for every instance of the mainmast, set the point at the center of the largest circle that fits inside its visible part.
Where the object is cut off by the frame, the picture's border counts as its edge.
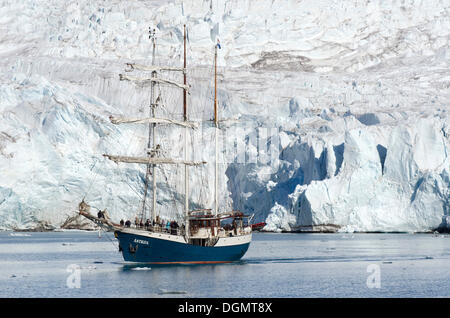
(216, 132)
(186, 171)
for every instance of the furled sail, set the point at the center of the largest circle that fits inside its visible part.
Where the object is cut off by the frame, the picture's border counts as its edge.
(116, 120)
(152, 68)
(152, 160)
(124, 77)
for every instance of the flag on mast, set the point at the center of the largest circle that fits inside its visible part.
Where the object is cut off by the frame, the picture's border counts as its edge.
(218, 44)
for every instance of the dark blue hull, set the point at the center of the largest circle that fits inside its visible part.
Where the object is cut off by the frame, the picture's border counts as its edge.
(145, 249)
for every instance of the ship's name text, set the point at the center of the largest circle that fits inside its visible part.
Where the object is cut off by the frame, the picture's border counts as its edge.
(140, 241)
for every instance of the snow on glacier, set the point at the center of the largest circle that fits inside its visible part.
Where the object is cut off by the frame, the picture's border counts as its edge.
(337, 112)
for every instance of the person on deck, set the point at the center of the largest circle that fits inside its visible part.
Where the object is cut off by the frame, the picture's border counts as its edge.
(168, 226)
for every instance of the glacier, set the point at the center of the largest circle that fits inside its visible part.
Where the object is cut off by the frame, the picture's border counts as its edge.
(336, 114)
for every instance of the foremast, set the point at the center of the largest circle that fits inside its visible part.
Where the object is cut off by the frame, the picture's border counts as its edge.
(151, 152)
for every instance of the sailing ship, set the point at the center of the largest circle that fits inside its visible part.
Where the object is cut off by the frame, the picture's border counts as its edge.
(206, 235)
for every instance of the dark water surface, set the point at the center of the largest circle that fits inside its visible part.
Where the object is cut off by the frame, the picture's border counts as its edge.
(80, 264)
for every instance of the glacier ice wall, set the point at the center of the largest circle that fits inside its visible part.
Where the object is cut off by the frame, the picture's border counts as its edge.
(407, 190)
(351, 98)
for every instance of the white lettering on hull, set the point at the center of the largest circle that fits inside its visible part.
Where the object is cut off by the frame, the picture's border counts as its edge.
(140, 241)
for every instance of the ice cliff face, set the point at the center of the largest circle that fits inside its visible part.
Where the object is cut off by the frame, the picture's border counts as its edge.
(338, 112)
(399, 186)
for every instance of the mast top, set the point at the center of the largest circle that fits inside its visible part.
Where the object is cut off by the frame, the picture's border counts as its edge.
(216, 116)
(152, 34)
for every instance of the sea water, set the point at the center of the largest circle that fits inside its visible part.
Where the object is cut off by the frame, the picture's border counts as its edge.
(84, 264)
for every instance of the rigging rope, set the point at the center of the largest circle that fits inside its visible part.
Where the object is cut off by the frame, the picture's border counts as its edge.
(109, 238)
(92, 181)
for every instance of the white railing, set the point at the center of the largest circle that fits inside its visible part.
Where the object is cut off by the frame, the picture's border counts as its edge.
(158, 229)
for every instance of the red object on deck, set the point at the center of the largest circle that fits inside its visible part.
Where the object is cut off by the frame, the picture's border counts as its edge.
(258, 226)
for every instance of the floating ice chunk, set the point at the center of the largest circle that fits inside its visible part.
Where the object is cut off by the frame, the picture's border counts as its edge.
(279, 219)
